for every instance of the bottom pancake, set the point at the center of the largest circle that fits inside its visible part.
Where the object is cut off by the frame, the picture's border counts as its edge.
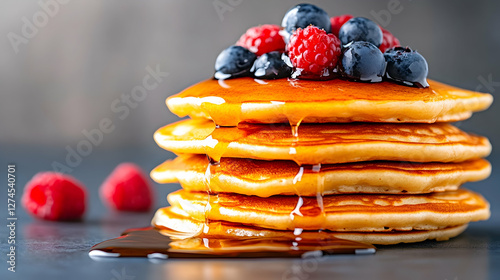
(176, 223)
(346, 212)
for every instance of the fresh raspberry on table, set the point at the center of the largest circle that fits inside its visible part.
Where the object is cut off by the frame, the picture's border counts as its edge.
(127, 189)
(389, 41)
(312, 51)
(54, 196)
(337, 22)
(262, 39)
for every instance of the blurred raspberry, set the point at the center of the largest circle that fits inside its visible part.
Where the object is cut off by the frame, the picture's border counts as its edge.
(337, 22)
(127, 189)
(54, 196)
(389, 41)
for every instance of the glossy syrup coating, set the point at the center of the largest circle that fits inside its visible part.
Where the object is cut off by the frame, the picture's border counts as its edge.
(294, 101)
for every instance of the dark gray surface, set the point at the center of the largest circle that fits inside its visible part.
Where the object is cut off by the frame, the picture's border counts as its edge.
(52, 250)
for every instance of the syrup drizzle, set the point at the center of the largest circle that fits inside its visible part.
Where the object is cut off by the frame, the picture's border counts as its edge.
(295, 130)
(212, 199)
(296, 213)
(214, 153)
(299, 213)
(320, 192)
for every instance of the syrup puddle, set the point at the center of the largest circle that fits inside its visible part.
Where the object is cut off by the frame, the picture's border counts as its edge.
(151, 243)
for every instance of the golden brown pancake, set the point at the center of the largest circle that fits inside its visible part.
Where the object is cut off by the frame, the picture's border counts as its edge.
(267, 178)
(233, 101)
(176, 223)
(324, 143)
(353, 212)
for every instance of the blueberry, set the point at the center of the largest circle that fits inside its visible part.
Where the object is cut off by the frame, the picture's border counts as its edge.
(362, 61)
(303, 15)
(406, 66)
(360, 29)
(233, 62)
(271, 66)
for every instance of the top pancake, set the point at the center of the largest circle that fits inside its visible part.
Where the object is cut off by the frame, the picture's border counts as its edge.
(233, 101)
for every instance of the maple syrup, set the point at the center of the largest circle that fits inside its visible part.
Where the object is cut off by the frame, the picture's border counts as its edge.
(233, 101)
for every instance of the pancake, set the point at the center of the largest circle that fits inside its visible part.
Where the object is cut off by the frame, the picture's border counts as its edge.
(233, 101)
(176, 223)
(353, 212)
(324, 143)
(267, 178)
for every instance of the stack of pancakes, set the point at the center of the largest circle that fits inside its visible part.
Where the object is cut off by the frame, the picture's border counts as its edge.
(375, 163)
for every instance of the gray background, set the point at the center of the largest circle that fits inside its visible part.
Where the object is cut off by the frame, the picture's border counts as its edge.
(64, 80)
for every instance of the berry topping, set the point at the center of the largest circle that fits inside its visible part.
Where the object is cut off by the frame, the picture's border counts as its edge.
(262, 39)
(271, 66)
(303, 15)
(233, 62)
(313, 52)
(360, 29)
(363, 61)
(310, 45)
(54, 196)
(389, 41)
(127, 189)
(337, 22)
(406, 66)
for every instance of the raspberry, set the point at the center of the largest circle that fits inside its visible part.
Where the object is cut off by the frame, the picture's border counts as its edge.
(262, 39)
(337, 22)
(54, 196)
(127, 189)
(312, 51)
(389, 41)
